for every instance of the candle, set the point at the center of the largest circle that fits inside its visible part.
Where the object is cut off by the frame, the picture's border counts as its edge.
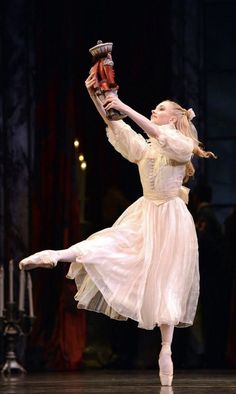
(1, 290)
(22, 291)
(82, 188)
(11, 292)
(30, 295)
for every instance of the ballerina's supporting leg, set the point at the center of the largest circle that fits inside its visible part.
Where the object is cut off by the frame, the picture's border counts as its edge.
(165, 361)
(49, 258)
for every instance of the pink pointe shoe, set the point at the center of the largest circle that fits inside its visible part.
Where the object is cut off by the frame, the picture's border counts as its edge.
(44, 259)
(165, 365)
(166, 390)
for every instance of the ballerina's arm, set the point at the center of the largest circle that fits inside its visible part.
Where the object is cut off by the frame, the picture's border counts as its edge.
(146, 125)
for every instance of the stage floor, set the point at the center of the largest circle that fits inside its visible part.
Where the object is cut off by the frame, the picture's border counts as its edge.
(118, 382)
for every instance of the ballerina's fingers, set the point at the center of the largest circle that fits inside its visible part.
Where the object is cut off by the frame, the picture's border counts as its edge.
(90, 81)
(90, 84)
(108, 106)
(109, 103)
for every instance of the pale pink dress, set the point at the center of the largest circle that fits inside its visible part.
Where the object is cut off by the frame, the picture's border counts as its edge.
(145, 267)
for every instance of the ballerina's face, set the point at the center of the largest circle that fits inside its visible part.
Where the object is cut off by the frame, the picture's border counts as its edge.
(162, 114)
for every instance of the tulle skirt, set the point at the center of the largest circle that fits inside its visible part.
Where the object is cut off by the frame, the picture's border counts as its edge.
(144, 267)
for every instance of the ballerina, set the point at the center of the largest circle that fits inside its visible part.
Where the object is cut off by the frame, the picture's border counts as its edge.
(145, 266)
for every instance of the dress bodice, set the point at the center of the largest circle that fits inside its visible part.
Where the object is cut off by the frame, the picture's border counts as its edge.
(161, 161)
(161, 177)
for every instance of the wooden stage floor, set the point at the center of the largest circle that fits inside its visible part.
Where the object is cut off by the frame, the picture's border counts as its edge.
(119, 382)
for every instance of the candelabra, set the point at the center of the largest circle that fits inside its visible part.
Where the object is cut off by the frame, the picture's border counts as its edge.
(14, 320)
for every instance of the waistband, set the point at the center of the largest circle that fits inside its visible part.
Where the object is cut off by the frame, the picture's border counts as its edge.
(159, 199)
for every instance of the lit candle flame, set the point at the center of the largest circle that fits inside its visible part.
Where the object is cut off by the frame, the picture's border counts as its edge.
(83, 165)
(76, 143)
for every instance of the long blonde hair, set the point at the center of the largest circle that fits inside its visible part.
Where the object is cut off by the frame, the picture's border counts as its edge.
(186, 127)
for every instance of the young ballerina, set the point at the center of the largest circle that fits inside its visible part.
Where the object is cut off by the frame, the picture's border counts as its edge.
(144, 267)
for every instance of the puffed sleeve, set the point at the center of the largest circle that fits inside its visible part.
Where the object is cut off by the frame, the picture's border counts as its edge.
(126, 141)
(175, 145)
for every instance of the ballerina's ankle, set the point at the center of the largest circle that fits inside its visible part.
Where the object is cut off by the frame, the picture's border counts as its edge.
(166, 347)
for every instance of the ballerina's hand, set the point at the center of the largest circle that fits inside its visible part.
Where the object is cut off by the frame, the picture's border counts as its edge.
(114, 102)
(90, 82)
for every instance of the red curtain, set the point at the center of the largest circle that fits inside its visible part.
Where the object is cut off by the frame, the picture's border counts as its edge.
(60, 328)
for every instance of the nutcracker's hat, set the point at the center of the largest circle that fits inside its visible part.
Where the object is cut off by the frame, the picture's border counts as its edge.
(101, 49)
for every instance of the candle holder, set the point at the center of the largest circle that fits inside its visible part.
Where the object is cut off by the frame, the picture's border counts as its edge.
(15, 323)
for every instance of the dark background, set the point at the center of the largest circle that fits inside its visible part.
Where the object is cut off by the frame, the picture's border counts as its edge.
(182, 50)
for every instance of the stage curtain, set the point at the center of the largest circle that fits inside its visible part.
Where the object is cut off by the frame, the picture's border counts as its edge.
(59, 332)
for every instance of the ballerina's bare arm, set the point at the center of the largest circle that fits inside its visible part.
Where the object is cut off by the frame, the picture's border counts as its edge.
(148, 127)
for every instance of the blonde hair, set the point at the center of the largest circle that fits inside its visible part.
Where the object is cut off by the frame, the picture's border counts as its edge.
(186, 127)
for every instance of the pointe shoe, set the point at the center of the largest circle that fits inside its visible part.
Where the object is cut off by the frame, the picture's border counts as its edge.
(44, 259)
(166, 366)
(166, 379)
(166, 390)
